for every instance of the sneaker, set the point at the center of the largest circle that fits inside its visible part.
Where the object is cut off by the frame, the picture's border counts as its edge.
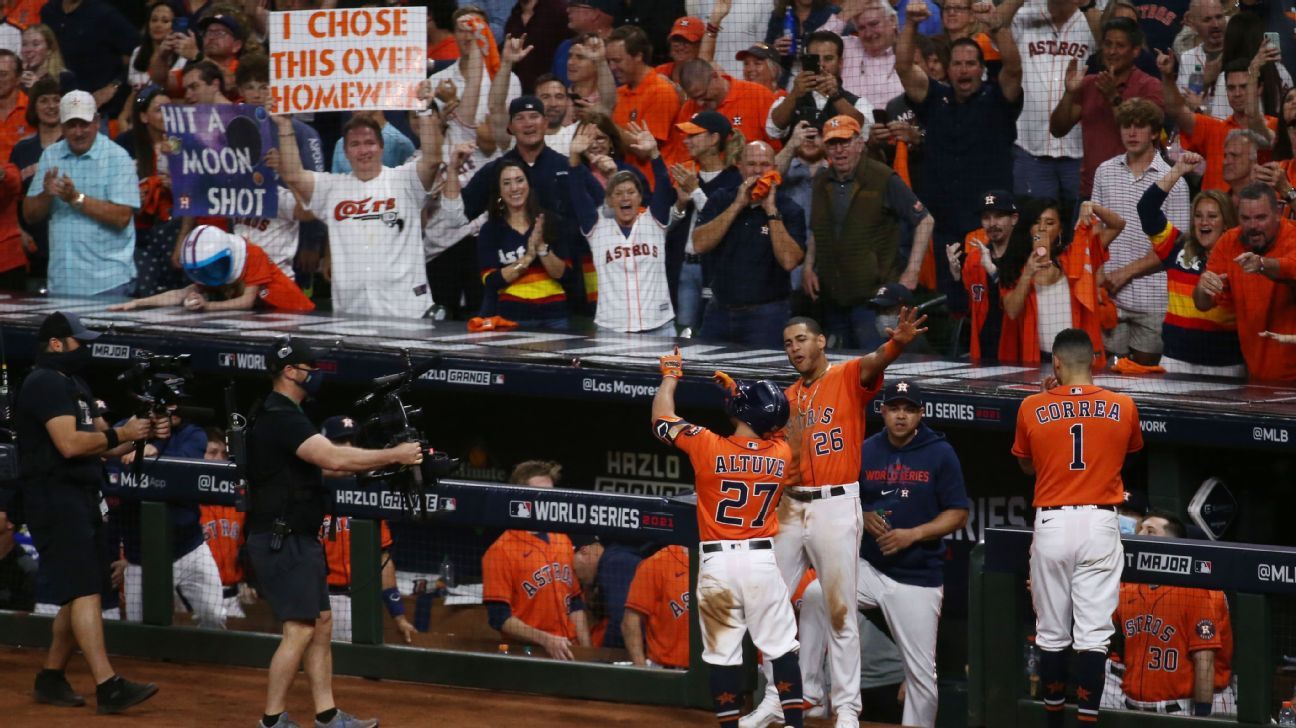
(118, 694)
(284, 722)
(52, 688)
(816, 711)
(766, 714)
(846, 720)
(344, 719)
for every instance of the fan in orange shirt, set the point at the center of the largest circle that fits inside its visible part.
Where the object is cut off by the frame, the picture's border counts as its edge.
(644, 96)
(656, 613)
(745, 104)
(227, 265)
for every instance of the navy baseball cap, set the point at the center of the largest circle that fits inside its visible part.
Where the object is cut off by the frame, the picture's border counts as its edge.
(892, 295)
(706, 121)
(61, 325)
(610, 7)
(340, 427)
(525, 103)
(231, 24)
(759, 50)
(998, 201)
(904, 390)
(1135, 501)
(288, 351)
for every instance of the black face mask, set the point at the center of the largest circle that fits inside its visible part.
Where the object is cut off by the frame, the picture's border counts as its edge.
(68, 362)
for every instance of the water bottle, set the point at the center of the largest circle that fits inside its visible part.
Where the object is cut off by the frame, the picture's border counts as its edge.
(447, 573)
(1287, 716)
(789, 31)
(1032, 666)
(1197, 80)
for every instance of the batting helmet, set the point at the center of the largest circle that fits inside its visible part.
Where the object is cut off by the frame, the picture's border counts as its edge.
(213, 257)
(760, 404)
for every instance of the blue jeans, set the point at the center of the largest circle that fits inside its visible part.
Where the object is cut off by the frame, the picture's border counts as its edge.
(688, 313)
(759, 325)
(856, 326)
(1038, 177)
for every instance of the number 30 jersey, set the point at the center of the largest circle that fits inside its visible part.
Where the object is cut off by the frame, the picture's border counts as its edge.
(737, 479)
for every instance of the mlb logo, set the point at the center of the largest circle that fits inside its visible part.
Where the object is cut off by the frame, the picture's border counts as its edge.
(520, 509)
(226, 359)
(1202, 567)
(499, 379)
(448, 504)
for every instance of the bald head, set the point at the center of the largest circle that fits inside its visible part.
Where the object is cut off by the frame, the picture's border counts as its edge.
(1207, 19)
(757, 159)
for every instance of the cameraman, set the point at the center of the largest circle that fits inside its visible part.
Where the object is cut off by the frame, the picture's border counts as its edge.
(62, 436)
(285, 457)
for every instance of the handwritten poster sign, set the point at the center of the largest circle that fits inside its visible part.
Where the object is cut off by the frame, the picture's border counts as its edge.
(333, 60)
(217, 160)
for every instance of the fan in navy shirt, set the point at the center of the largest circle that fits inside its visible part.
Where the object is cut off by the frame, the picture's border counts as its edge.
(911, 489)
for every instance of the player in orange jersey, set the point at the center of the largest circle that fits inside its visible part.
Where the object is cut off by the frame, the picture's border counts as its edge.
(740, 589)
(656, 611)
(1178, 642)
(1073, 438)
(825, 432)
(223, 530)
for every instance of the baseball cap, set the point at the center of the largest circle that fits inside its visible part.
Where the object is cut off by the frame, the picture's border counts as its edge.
(998, 201)
(904, 390)
(339, 427)
(525, 103)
(288, 351)
(1136, 501)
(77, 105)
(608, 7)
(840, 127)
(61, 325)
(892, 295)
(581, 540)
(758, 50)
(231, 24)
(706, 121)
(689, 28)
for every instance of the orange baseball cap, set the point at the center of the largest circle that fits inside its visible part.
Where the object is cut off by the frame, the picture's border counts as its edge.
(840, 127)
(689, 28)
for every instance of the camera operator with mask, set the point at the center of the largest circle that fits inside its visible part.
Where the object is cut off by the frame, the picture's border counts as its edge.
(62, 436)
(285, 456)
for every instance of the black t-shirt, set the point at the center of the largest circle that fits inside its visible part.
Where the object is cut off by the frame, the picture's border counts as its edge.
(46, 394)
(281, 483)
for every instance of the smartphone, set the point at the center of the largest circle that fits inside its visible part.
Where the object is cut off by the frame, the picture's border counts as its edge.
(1273, 39)
(180, 25)
(880, 116)
(810, 63)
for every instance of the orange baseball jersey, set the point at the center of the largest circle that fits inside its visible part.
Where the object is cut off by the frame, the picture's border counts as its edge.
(830, 421)
(1163, 626)
(737, 479)
(534, 578)
(1077, 436)
(660, 592)
(223, 531)
(337, 550)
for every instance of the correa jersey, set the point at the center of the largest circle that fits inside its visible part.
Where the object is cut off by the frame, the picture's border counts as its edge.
(660, 592)
(1163, 626)
(376, 241)
(337, 548)
(1046, 51)
(827, 425)
(737, 479)
(1077, 437)
(533, 576)
(223, 531)
(633, 294)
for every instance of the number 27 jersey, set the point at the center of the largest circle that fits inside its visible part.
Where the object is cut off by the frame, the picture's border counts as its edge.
(737, 479)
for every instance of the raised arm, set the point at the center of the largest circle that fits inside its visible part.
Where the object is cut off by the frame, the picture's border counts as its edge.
(513, 50)
(1066, 114)
(1255, 115)
(663, 194)
(585, 206)
(472, 66)
(1113, 224)
(719, 11)
(672, 368)
(1176, 108)
(606, 82)
(908, 327)
(430, 142)
(294, 176)
(1010, 72)
(1007, 10)
(913, 78)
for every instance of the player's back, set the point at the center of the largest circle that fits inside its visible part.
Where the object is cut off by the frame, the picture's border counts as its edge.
(737, 482)
(1077, 436)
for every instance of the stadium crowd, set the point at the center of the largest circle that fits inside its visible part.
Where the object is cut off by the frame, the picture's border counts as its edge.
(1038, 165)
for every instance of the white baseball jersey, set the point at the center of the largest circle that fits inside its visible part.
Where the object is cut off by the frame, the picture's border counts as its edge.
(197, 588)
(633, 295)
(376, 241)
(276, 235)
(744, 26)
(1046, 51)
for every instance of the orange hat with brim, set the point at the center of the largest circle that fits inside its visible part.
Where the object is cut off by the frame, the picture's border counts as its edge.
(840, 127)
(689, 28)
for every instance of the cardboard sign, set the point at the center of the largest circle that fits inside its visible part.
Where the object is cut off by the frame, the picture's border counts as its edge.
(333, 60)
(217, 160)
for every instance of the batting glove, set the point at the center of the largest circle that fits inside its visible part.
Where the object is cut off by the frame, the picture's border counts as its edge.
(672, 365)
(725, 381)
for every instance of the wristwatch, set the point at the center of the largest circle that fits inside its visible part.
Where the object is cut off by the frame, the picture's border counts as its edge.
(79, 201)
(776, 216)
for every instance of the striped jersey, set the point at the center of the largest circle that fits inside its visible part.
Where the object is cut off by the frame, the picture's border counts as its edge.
(1209, 337)
(633, 294)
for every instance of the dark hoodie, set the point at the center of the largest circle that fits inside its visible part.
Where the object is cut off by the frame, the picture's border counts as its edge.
(913, 484)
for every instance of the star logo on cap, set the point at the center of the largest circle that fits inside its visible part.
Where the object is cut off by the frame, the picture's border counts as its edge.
(902, 387)
(684, 22)
(737, 121)
(834, 122)
(284, 352)
(881, 292)
(348, 423)
(990, 199)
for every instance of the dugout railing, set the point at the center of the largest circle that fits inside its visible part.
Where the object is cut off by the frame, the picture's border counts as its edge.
(656, 519)
(1000, 619)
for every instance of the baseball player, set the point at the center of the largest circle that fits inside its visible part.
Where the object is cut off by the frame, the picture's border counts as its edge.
(223, 530)
(1073, 438)
(1178, 642)
(825, 433)
(911, 488)
(739, 589)
(656, 610)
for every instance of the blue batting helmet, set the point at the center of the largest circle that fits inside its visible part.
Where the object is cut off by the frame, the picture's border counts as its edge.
(760, 404)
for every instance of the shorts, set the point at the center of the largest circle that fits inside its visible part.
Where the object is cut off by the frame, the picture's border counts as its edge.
(293, 580)
(1136, 330)
(67, 529)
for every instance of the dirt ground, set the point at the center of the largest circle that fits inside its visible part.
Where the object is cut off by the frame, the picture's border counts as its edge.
(196, 694)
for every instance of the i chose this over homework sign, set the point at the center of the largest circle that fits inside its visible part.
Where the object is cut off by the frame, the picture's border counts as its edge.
(331, 60)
